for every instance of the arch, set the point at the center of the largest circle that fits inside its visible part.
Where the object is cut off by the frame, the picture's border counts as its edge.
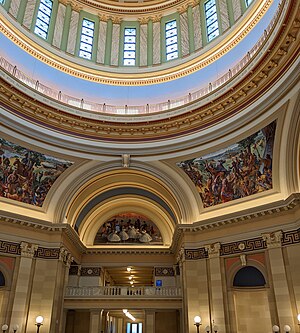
(249, 276)
(2, 279)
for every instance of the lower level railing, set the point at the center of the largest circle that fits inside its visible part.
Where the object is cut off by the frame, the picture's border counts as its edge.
(115, 291)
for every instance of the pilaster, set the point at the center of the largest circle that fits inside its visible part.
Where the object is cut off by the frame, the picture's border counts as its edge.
(217, 310)
(279, 279)
(23, 285)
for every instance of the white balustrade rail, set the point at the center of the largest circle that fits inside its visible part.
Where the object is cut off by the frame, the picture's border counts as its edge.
(122, 292)
(148, 108)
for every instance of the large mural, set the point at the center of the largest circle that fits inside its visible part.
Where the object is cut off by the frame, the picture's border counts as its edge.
(240, 170)
(129, 228)
(27, 175)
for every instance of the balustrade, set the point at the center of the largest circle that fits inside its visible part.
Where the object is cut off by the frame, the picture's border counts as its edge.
(120, 292)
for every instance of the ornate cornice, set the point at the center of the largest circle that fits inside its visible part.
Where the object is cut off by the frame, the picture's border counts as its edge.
(104, 75)
(133, 7)
(289, 204)
(266, 241)
(281, 54)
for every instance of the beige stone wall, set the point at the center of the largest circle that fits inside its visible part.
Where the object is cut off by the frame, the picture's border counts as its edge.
(78, 322)
(252, 311)
(293, 257)
(42, 295)
(166, 321)
(196, 293)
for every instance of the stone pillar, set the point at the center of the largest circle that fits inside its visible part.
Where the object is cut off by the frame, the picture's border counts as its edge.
(279, 280)
(150, 321)
(62, 276)
(95, 316)
(23, 286)
(194, 290)
(217, 311)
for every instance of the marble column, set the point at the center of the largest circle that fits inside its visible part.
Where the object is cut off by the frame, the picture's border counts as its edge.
(217, 310)
(279, 280)
(23, 286)
(150, 321)
(95, 317)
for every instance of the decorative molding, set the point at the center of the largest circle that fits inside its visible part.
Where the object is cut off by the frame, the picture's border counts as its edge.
(28, 250)
(10, 248)
(213, 250)
(243, 259)
(238, 247)
(126, 160)
(283, 206)
(90, 271)
(135, 7)
(141, 78)
(273, 239)
(223, 106)
(291, 237)
(196, 254)
(164, 271)
(268, 240)
(47, 253)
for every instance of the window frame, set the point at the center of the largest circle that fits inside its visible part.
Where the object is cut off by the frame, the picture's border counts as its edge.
(85, 34)
(39, 17)
(214, 13)
(168, 39)
(125, 44)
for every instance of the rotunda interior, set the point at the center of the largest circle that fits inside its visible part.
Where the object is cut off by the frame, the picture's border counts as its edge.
(149, 166)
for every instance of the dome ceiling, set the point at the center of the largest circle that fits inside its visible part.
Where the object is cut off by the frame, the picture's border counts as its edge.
(103, 63)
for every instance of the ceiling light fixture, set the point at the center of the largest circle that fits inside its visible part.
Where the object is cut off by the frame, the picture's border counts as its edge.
(128, 314)
(128, 269)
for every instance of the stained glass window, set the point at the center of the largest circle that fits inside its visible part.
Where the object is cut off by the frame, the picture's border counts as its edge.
(211, 19)
(171, 40)
(2, 2)
(86, 39)
(43, 18)
(129, 53)
(248, 2)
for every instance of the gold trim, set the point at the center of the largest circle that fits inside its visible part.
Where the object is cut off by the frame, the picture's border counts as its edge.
(141, 78)
(263, 75)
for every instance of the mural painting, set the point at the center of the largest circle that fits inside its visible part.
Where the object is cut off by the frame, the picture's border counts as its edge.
(129, 228)
(27, 175)
(240, 170)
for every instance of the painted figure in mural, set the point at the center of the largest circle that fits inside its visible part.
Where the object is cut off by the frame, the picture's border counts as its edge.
(25, 175)
(129, 228)
(238, 171)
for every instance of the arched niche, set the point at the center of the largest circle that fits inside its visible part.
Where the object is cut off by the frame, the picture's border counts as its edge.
(141, 184)
(128, 228)
(118, 205)
(249, 276)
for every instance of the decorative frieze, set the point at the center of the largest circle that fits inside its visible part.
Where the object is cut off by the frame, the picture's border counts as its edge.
(243, 246)
(47, 253)
(291, 237)
(10, 248)
(196, 254)
(268, 240)
(164, 271)
(90, 271)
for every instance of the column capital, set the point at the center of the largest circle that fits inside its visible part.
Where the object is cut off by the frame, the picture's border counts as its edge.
(213, 250)
(28, 249)
(180, 255)
(65, 256)
(273, 239)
